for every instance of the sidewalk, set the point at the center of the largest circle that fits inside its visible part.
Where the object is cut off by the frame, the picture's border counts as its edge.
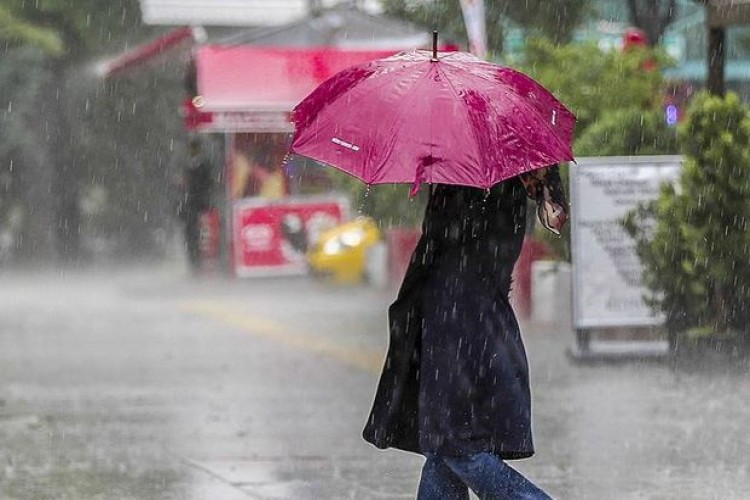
(155, 386)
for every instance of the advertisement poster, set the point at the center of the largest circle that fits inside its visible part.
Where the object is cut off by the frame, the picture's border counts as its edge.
(607, 288)
(271, 237)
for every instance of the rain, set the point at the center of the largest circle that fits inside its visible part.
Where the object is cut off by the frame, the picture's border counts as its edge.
(244, 245)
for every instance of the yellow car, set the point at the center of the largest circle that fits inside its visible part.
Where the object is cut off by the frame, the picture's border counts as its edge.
(341, 252)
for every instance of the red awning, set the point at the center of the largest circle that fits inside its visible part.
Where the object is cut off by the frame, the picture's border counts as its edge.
(255, 88)
(149, 52)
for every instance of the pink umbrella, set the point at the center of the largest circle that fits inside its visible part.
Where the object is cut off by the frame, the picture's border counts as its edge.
(446, 118)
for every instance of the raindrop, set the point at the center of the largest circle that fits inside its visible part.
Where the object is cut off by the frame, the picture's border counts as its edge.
(365, 198)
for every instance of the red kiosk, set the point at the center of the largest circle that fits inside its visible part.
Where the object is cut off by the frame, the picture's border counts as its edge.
(247, 93)
(245, 88)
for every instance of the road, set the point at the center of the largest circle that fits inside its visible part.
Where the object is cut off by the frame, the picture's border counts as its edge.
(146, 384)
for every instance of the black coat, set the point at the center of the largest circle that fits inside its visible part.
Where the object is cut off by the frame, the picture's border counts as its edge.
(455, 379)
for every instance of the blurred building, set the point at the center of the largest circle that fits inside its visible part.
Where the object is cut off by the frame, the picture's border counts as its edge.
(247, 63)
(685, 41)
(237, 12)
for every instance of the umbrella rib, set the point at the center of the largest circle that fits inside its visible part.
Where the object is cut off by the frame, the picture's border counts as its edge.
(385, 83)
(398, 122)
(515, 97)
(546, 124)
(494, 81)
(403, 109)
(465, 111)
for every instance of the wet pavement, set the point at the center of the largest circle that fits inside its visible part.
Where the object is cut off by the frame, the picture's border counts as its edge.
(150, 385)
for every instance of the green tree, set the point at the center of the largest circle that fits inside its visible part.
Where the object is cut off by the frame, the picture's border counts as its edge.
(26, 211)
(618, 103)
(446, 17)
(75, 31)
(628, 132)
(694, 239)
(17, 32)
(653, 17)
(133, 149)
(555, 19)
(591, 82)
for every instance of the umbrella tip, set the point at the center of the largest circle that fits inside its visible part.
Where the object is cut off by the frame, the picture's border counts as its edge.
(434, 45)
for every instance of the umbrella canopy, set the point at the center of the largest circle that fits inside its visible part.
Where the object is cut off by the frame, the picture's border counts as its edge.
(447, 118)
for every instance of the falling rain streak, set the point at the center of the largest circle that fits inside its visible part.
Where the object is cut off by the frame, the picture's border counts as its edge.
(129, 371)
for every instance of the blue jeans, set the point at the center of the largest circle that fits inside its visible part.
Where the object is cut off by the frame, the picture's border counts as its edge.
(449, 478)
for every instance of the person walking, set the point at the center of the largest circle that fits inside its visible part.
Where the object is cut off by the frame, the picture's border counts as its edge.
(198, 184)
(455, 384)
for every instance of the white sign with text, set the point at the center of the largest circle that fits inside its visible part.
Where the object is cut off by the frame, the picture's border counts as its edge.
(607, 288)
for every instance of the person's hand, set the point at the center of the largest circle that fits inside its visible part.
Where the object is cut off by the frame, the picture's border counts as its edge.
(552, 216)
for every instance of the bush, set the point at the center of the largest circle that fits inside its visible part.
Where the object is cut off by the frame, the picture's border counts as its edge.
(617, 101)
(694, 240)
(593, 83)
(628, 132)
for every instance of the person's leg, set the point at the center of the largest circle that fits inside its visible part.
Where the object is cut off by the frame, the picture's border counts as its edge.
(439, 483)
(492, 479)
(193, 241)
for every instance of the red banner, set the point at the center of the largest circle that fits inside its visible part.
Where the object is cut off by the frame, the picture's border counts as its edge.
(271, 237)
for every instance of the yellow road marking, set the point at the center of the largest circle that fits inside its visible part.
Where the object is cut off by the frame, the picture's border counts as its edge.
(267, 328)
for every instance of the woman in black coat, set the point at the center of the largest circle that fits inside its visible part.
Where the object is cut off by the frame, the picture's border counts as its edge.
(455, 384)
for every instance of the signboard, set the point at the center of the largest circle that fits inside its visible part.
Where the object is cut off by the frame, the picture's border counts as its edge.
(236, 121)
(607, 289)
(271, 237)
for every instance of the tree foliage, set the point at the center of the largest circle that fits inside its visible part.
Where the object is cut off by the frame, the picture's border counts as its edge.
(555, 19)
(26, 211)
(616, 100)
(653, 17)
(133, 141)
(86, 162)
(694, 240)
(628, 132)
(16, 32)
(591, 82)
(74, 28)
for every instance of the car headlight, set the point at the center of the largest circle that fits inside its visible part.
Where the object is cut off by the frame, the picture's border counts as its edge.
(332, 246)
(340, 243)
(352, 238)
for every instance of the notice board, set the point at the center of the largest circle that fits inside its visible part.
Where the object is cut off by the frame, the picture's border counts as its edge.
(271, 236)
(607, 285)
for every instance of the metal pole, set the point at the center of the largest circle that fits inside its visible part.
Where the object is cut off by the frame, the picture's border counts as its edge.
(716, 60)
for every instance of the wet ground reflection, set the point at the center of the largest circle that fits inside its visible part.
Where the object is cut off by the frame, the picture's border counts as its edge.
(122, 388)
